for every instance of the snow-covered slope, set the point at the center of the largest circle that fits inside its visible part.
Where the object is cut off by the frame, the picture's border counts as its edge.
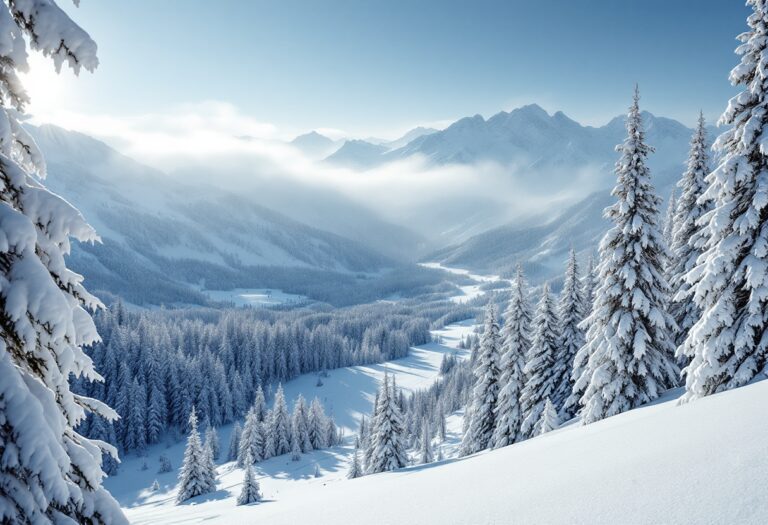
(347, 393)
(700, 463)
(541, 248)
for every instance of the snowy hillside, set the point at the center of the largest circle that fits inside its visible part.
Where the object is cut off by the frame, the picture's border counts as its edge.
(542, 249)
(701, 462)
(347, 394)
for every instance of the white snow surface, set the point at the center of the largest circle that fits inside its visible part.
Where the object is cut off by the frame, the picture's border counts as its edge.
(347, 394)
(703, 462)
(254, 297)
(470, 291)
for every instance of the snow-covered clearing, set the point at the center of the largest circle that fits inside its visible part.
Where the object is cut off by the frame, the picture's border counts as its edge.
(470, 291)
(254, 297)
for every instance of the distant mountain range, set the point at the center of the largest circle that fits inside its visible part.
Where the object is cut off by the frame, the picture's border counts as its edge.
(164, 239)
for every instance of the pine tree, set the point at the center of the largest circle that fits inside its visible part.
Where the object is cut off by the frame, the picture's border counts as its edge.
(251, 440)
(250, 492)
(165, 464)
(426, 444)
(317, 425)
(387, 447)
(540, 365)
(300, 425)
(234, 442)
(295, 450)
(481, 414)
(196, 476)
(48, 471)
(515, 346)
(278, 438)
(549, 419)
(260, 405)
(629, 340)
(689, 239)
(212, 441)
(727, 345)
(570, 339)
(669, 220)
(354, 468)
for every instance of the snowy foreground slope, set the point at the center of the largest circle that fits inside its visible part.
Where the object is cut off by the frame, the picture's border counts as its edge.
(704, 462)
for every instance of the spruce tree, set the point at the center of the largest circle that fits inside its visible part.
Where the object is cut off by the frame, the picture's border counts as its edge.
(317, 425)
(354, 468)
(212, 442)
(540, 366)
(234, 442)
(387, 447)
(727, 345)
(481, 415)
(570, 338)
(425, 453)
(669, 220)
(629, 336)
(549, 419)
(251, 443)
(688, 241)
(196, 476)
(300, 425)
(49, 472)
(515, 344)
(250, 492)
(278, 438)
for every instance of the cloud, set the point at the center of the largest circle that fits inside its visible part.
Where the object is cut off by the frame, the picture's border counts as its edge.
(214, 143)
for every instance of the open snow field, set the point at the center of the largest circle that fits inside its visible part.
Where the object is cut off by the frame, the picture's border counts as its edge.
(254, 297)
(470, 291)
(347, 393)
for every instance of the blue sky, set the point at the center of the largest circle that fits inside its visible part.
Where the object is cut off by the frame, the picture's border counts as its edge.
(377, 68)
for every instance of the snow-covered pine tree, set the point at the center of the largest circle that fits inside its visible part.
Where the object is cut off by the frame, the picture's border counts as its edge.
(387, 445)
(540, 366)
(295, 450)
(278, 438)
(165, 464)
(48, 471)
(629, 336)
(689, 239)
(570, 311)
(669, 220)
(515, 344)
(317, 427)
(260, 406)
(727, 345)
(354, 468)
(549, 419)
(300, 425)
(250, 492)
(425, 452)
(481, 412)
(212, 442)
(234, 442)
(196, 476)
(251, 440)
(589, 285)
